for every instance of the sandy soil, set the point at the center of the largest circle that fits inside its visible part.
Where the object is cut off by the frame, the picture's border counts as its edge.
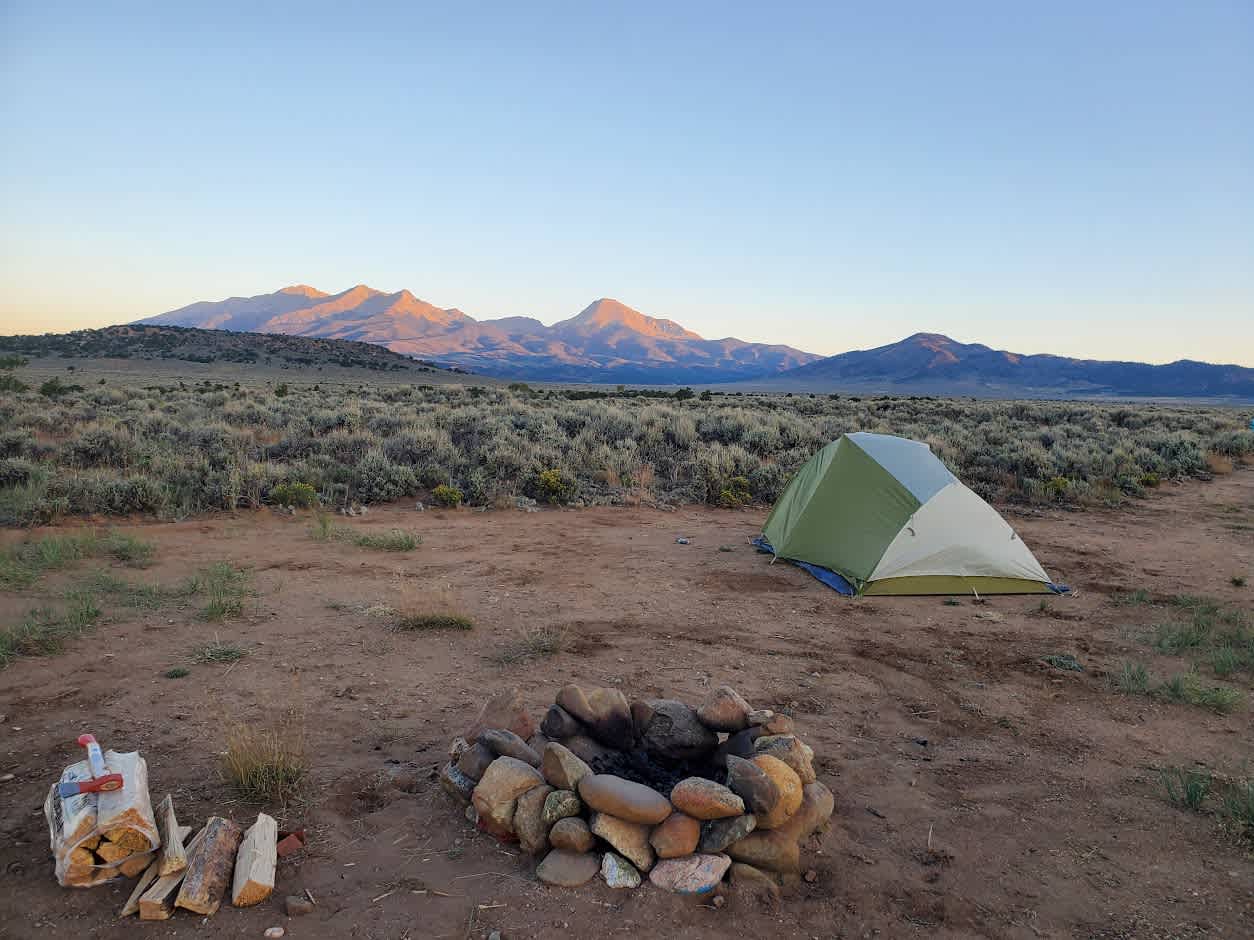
(1037, 788)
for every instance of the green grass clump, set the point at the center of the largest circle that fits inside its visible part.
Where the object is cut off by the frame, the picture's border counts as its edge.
(1186, 788)
(1135, 598)
(1238, 580)
(178, 672)
(1131, 679)
(44, 631)
(224, 588)
(394, 540)
(218, 652)
(1238, 808)
(23, 564)
(1188, 690)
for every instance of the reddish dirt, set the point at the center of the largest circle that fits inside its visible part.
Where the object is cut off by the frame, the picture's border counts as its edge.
(1037, 788)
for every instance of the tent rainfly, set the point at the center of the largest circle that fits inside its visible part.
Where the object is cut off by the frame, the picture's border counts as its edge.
(876, 514)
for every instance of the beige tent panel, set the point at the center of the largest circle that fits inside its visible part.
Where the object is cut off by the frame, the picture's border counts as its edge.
(957, 533)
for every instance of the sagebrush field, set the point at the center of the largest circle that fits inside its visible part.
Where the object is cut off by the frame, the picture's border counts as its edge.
(179, 449)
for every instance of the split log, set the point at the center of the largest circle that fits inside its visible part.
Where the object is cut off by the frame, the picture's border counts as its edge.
(132, 866)
(131, 840)
(209, 867)
(156, 902)
(112, 852)
(151, 873)
(82, 858)
(254, 865)
(173, 854)
(148, 877)
(90, 843)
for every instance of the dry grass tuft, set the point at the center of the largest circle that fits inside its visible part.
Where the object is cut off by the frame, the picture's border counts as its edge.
(533, 643)
(1219, 464)
(433, 607)
(267, 764)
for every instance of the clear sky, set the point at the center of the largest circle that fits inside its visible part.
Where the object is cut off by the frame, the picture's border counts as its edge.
(1049, 177)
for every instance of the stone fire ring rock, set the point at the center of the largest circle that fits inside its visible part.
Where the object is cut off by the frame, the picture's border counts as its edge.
(727, 788)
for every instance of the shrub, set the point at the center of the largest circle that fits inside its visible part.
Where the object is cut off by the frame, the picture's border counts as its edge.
(300, 495)
(735, 494)
(55, 388)
(445, 495)
(378, 480)
(281, 390)
(555, 486)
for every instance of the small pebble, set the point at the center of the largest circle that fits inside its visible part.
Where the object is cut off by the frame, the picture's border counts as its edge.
(811, 876)
(295, 905)
(5, 778)
(494, 935)
(719, 900)
(273, 933)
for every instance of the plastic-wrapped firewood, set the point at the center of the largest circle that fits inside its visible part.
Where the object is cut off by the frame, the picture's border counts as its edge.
(92, 834)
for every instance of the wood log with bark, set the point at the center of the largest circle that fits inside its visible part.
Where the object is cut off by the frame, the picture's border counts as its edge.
(209, 867)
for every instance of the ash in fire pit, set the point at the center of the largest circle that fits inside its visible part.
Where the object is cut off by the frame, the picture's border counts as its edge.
(688, 796)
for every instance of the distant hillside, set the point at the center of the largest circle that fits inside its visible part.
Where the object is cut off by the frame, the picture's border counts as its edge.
(935, 364)
(195, 345)
(606, 342)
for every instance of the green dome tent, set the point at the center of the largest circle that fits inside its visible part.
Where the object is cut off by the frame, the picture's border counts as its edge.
(885, 516)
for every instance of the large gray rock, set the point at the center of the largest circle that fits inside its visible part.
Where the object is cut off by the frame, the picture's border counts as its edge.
(624, 799)
(604, 712)
(752, 784)
(475, 759)
(561, 767)
(529, 825)
(718, 834)
(559, 724)
(672, 729)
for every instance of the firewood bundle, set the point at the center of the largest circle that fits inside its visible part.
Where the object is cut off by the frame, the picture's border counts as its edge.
(100, 836)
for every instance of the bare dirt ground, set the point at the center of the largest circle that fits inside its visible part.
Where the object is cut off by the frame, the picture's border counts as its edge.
(1038, 788)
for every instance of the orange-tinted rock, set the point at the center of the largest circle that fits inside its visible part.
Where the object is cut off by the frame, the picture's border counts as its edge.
(561, 767)
(817, 803)
(705, 799)
(769, 850)
(724, 710)
(496, 794)
(791, 751)
(629, 839)
(503, 710)
(677, 836)
(789, 786)
(572, 834)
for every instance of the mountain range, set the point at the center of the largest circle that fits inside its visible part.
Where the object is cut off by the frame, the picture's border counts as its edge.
(606, 342)
(930, 363)
(609, 342)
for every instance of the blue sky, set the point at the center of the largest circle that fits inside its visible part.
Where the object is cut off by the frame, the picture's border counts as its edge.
(1074, 178)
